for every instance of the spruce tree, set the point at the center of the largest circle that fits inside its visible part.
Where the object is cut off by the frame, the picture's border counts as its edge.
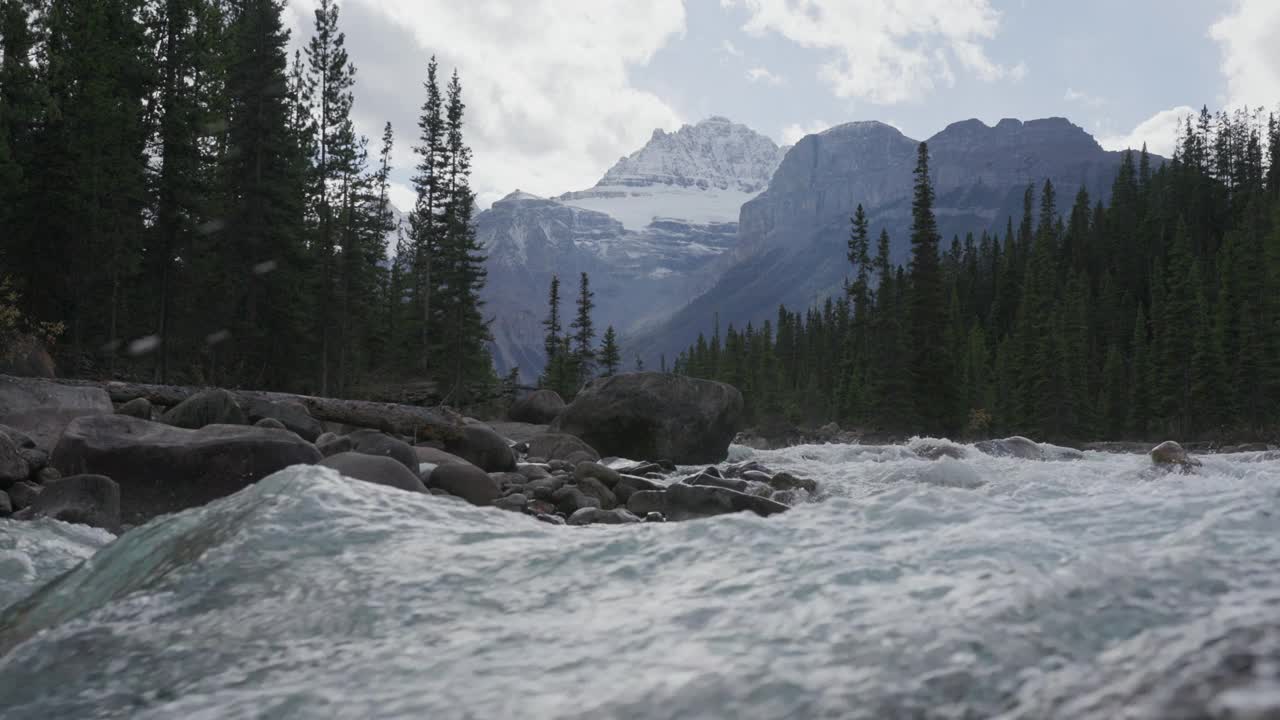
(583, 331)
(425, 222)
(610, 356)
(932, 385)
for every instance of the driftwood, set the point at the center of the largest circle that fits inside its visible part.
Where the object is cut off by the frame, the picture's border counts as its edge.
(417, 422)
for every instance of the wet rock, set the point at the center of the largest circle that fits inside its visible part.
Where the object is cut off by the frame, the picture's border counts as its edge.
(138, 407)
(630, 484)
(92, 500)
(379, 470)
(713, 481)
(560, 466)
(163, 469)
(484, 448)
(12, 465)
(559, 446)
(787, 481)
(756, 476)
(23, 494)
(270, 424)
(540, 507)
(654, 517)
(1171, 455)
(36, 458)
(467, 482)
(512, 503)
(41, 410)
(47, 475)
(587, 469)
(539, 407)
(598, 490)
(434, 456)
(211, 407)
(373, 442)
(1116, 447)
(692, 501)
(641, 469)
(593, 516)
(937, 450)
(294, 416)
(330, 444)
(6, 505)
(570, 498)
(763, 489)
(786, 497)
(655, 415)
(1025, 449)
(740, 470)
(643, 502)
(1244, 448)
(532, 471)
(544, 488)
(506, 481)
(550, 519)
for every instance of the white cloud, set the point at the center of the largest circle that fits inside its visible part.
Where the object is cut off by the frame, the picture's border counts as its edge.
(887, 51)
(1250, 52)
(792, 133)
(730, 48)
(760, 74)
(1083, 98)
(1159, 132)
(549, 102)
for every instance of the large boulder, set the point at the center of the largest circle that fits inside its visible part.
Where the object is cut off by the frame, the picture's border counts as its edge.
(655, 415)
(163, 469)
(138, 407)
(596, 516)
(539, 407)
(293, 415)
(41, 409)
(1171, 455)
(374, 469)
(372, 442)
(13, 467)
(435, 456)
(211, 407)
(465, 481)
(694, 501)
(559, 446)
(484, 448)
(1026, 449)
(27, 357)
(517, 432)
(91, 500)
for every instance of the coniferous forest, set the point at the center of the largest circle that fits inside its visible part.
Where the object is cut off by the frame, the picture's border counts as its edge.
(1156, 315)
(183, 201)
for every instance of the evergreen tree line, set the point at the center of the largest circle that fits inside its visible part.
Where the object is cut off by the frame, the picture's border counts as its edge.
(195, 206)
(572, 358)
(1155, 316)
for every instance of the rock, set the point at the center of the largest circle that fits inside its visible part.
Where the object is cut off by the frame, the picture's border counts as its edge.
(786, 497)
(513, 503)
(13, 467)
(550, 519)
(643, 502)
(562, 447)
(517, 432)
(596, 489)
(655, 415)
(560, 466)
(41, 410)
(713, 471)
(427, 454)
(692, 501)
(1244, 448)
(540, 507)
(27, 358)
(544, 488)
(211, 407)
(756, 476)
(712, 481)
(329, 444)
(506, 481)
(641, 469)
(138, 407)
(570, 498)
(740, 470)
(23, 494)
(92, 500)
(36, 458)
(47, 475)
(763, 489)
(484, 448)
(1171, 455)
(373, 442)
(654, 517)
(787, 481)
(376, 469)
(20, 440)
(465, 481)
(587, 469)
(1022, 448)
(630, 484)
(532, 471)
(539, 407)
(6, 506)
(937, 450)
(163, 469)
(1115, 447)
(294, 416)
(593, 516)
(270, 424)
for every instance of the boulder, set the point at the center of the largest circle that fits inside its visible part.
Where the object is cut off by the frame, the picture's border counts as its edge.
(655, 415)
(692, 501)
(292, 415)
(433, 456)
(517, 432)
(539, 407)
(138, 407)
(562, 447)
(570, 498)
(211, 407)
(484, 448)
(1025, 449)
(596, 489)
(741, 469)
(13, 467)
(588, 469)
(654, 517)
(643, 502)
(1171, 455)
(376, 469)
(270, 424)
(628, 485)
(465, 481)
(515, 502)
(787, 481)
(533, 471)
(36, 458)
(755, 476)
(329, 444)
(594, 516)
(550, 519)
(48, 475)
(92, 500)
(643, 468)
(544, 488)
(41, 410)
(6, 506)
(27, 357)
(24, 493)
(373, 442)
(709, 480)
(163, 469)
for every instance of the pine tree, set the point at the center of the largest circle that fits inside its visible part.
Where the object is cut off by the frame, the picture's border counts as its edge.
(931, 381)
(583, 331)
(610, 357)
(425, 222)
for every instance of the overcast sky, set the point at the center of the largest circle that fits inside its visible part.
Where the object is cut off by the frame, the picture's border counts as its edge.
(558, 90)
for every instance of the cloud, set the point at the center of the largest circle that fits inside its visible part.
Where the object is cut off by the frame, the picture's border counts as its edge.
(1084, 98)
(548, 110)
(887, 51)
(729, 48)
(1250, 53)
(1159, 132)
(760, 74)
(792, 133)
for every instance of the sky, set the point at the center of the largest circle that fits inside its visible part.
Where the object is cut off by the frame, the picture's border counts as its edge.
(558, 90)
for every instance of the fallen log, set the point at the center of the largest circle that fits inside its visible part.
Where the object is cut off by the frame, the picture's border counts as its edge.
(421, 423)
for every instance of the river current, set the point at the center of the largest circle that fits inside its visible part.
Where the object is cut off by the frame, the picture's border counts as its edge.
(978, 587)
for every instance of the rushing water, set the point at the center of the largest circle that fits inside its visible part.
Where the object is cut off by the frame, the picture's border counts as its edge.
(959, 588)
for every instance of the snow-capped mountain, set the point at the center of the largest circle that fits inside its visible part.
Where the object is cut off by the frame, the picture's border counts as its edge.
(648, 234)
